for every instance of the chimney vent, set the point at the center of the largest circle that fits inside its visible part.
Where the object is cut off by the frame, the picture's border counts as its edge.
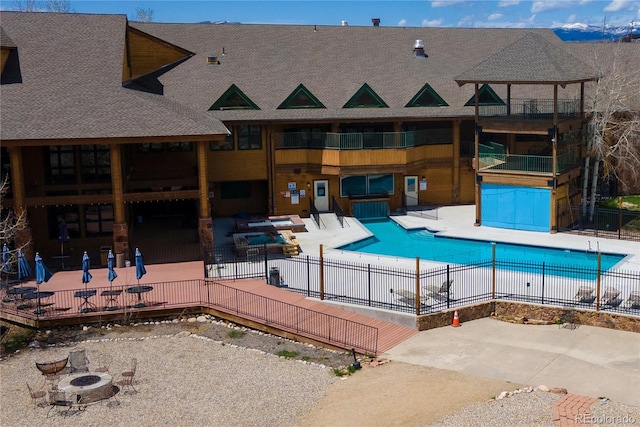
(376, 22)
(418, 49)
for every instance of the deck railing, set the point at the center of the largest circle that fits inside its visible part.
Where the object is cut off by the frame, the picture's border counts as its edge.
(493, 159)
(362, 140)
(531, 109)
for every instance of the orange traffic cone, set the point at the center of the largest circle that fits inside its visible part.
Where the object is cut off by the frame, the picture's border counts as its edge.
(456, 319)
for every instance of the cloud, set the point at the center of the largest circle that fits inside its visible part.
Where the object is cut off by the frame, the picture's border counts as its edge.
(506, 3)
(445, 3)
(546, 5)
(571, 18)
(432, 23)
(494, 16)
(617, 5)
(402, 23)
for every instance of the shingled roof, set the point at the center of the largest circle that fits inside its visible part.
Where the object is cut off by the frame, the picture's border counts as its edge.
(5, 40)
(71, 66)
(529, 60)
(268, 62)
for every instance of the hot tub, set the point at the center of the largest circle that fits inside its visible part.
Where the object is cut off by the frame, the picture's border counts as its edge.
(248, 244)
(272, 223)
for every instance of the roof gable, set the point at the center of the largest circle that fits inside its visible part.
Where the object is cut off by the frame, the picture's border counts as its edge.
(365, 97)
(427, 97)
(486, 96)
(301, 98)
(234, 99)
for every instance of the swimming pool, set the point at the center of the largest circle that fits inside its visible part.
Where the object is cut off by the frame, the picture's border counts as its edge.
(391, 239)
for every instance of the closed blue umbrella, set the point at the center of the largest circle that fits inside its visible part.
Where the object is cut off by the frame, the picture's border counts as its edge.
(86, 276)
(6, 257)
(140, 270)
(110, 265)
(24, 270)
(42, 275)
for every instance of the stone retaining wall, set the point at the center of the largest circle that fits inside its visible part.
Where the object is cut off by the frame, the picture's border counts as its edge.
(532, 314)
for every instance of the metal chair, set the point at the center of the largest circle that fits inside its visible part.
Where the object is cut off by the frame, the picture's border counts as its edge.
(126, 382)
(104, 361)
(110, 396)
(59, 400)
(131, 372)
(36, 395)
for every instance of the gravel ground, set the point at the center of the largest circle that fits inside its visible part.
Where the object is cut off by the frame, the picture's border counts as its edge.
(218, 374)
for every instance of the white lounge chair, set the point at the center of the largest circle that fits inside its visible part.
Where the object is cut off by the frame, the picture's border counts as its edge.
(439, 291)
(585, 295)
(611, 297)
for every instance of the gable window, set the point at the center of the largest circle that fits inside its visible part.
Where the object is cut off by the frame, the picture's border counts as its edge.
(61, 165)
(486, 96)
(367, 185)
(301, 98)
(249, 137)
(427, 97)
(234, 99)
(365, 97)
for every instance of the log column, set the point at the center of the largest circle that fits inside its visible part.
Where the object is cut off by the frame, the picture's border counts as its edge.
(120, 227)
(205, 223)
(456, 162)
(23, 237)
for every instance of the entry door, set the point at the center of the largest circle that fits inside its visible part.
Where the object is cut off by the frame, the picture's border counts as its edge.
(321, 195)
(411, 190)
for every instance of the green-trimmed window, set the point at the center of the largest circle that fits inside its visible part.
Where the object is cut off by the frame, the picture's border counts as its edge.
(249, 137)
(234, 99)
(365, 97)
(61, 165)
(366, 185)
(486, 96)
(96, 163)
(301, 98)
(427, 97)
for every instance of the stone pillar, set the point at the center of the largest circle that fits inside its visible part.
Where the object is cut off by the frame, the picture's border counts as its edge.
(121, 240)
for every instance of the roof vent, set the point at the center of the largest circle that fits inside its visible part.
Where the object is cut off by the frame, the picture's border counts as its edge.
(418, 49)
(344, 23)
(212, 60)
(375, 22)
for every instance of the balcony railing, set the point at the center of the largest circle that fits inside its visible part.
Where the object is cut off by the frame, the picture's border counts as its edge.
(531, 109)
(494, 158)
(362, 140)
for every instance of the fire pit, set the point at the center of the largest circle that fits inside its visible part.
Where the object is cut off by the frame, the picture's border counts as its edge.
(90, 387)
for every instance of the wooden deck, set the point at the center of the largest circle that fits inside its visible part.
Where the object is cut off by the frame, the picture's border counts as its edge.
(186, 294)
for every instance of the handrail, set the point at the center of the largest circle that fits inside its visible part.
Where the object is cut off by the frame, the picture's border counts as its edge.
(337, 209)
(313, 211)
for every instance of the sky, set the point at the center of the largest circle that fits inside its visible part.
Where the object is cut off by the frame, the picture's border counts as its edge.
(409, 13)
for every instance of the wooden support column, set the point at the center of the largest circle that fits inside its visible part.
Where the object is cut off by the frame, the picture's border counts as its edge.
(476, 160)
(455, 196)
(205, 223)
(24, 236)
(554, 166)
(120, 227)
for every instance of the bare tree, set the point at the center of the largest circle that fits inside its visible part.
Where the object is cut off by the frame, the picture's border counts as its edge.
(62, 6)
(144, 15)
(613, 135)
(10, 225)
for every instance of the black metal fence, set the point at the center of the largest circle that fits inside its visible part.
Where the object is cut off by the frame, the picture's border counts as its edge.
(419, 291)
(605, 222)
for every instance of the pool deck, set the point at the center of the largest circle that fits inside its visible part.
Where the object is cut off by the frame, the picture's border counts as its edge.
(453, 221)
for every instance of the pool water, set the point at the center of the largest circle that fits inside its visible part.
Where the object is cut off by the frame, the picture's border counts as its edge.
(391, 239)
(268, 239)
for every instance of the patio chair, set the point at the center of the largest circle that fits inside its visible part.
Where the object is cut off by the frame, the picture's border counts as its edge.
(585, 295)
(408, 298)
(110, 396)
(132, 371)
(104, 360)
(78, 361)
(439, 291)
(634, 300)
(126, 382)
(36, 395)
(611, 297)
(65, 404)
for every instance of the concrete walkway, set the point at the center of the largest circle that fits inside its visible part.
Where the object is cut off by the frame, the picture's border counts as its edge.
(590, 361)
